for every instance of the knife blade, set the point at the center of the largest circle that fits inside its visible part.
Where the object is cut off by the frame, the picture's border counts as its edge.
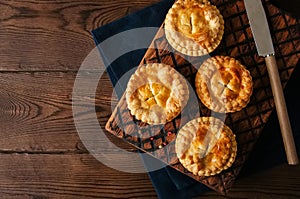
(259, 26)
(263, 41)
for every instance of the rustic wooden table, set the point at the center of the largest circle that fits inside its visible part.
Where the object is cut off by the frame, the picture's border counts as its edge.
(43, 44)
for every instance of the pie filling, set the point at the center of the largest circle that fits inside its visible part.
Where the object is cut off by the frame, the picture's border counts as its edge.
(205, 146)
(156, 99)
(223, 84)
(193, 23)
(208, 151)
(226, 83)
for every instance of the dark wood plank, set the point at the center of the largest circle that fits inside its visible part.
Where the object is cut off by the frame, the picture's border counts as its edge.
(40, 151)
(67, 176)
(54, 35)
(282, 181)
(81, 176)
(36, 111)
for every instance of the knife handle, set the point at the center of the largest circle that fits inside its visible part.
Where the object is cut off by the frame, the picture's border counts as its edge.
(284, 122)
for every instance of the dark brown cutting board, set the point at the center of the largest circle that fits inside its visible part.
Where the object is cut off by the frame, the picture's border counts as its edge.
(248, 123)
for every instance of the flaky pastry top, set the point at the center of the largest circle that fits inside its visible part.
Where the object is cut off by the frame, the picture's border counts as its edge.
(223, 84)
(156, 93)
(194, 27)
(205, 146)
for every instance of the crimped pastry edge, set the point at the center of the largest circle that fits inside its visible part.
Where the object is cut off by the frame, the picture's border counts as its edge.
(187, 133)
(187, 45)
(178, 86)
(202, 89)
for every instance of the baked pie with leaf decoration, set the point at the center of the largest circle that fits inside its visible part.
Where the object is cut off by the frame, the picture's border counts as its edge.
(223, 84)
(205, 146)
(156, 93)
(194, 27)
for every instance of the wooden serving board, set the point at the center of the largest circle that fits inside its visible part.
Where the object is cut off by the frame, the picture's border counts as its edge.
(247, 124)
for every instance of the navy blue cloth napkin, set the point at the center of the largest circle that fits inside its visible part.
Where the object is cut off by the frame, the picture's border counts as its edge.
(168, 182)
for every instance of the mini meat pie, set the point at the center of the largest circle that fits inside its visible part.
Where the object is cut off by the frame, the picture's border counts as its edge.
(194, 27)
(223, 84)
(205, 146)
(156, 93)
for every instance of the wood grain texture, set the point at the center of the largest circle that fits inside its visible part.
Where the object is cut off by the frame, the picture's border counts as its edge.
(37, 116)
(43, 44)
(54, 35)
(81, 176)
(67, 176)
(265, 184)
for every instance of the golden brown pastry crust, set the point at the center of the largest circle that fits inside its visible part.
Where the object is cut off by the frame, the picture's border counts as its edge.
(194, 27)
(223, 84)
(205, 146)
(156, 93)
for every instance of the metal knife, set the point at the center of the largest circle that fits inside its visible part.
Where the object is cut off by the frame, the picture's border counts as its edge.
(263, 41)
